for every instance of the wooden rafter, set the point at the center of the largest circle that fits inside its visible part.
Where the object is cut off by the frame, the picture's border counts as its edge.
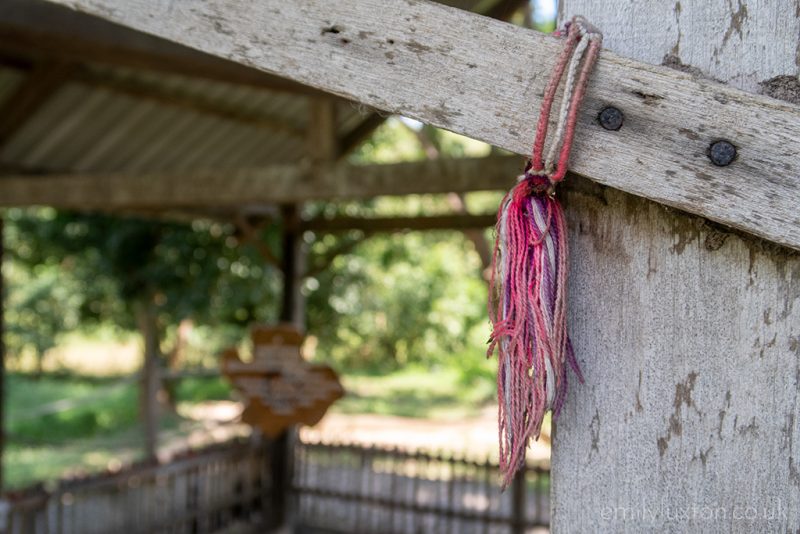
(354, 137)
(370, 225)
(277, 184)
(483, 79)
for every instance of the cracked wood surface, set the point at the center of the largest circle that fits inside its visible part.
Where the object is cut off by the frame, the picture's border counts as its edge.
(688, 335)
(484, 79)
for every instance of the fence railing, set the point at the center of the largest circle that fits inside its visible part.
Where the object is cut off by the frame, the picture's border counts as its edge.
(350, 488)
(201, 491)
(336, 488)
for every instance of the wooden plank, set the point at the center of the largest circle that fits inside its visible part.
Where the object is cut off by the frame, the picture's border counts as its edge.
(496, 9)
(360, 132)
(483, 78)
(688, 335)
(398, 224)
(321, 140)
(278, 184)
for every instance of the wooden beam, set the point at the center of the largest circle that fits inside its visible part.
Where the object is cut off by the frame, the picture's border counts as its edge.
(496, 9)
(321, 137)
(371, 225)
(278, 184)
(31, 94)
(484, 79)
(357, 135)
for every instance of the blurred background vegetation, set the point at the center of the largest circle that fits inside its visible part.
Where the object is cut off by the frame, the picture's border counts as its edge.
(401, 316)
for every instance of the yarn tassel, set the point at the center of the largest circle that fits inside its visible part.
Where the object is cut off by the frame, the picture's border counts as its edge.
(528, 286)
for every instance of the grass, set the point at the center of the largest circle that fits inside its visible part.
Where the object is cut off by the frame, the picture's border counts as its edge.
(417, 392)
(63, 424)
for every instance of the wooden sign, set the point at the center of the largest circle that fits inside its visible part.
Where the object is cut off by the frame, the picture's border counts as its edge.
(280, 388)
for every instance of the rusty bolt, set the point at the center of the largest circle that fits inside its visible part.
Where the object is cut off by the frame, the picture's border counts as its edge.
(610, 118)
(721, 153)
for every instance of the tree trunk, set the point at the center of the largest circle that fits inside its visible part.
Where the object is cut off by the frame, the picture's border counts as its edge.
(2, 359)
(150, 382)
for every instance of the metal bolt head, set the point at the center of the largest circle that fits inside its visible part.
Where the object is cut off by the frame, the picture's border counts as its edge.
(721, 153)
(610, 118)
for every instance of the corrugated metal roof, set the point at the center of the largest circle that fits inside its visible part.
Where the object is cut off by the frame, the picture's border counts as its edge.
(87, 128)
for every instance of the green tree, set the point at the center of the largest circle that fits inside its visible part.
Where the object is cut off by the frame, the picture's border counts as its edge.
(147, 274)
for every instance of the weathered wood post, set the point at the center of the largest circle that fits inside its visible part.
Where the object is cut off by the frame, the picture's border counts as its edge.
(321, 137)
(687, 333)
(519, 493)
(281, 454)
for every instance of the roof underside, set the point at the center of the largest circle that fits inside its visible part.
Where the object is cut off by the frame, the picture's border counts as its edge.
(82, 95)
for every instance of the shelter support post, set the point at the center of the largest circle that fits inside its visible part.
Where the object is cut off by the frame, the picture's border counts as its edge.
(518, 495)
(282, 459)
(688, 334)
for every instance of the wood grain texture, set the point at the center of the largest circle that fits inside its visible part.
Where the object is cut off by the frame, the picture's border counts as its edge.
(277, 184)
(739, 43)
(484, 79)
(689, 339)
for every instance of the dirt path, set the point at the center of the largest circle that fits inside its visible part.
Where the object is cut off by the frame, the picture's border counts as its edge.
(474, 437)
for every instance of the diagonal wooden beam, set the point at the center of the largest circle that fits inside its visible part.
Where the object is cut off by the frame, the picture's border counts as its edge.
(496, 9)
(279, 184)
(31, 94)
(364, 129)
(484, 79)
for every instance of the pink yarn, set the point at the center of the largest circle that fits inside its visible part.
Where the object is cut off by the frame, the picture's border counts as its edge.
(528, 287)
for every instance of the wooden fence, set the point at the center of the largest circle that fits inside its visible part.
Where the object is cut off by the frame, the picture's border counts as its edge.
(201, 491)
(336, 488)
(349, 488)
